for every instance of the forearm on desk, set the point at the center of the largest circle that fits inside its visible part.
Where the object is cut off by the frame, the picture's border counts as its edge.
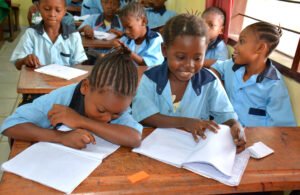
(164, 121)
(115, 133)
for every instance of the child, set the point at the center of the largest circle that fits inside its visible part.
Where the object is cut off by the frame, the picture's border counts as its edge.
(107, 21)
(98, 105)
(254, 86)
(90, 7)
(51, 41)
(214, 17)
(144, 44)
(34, 16)
(157, 14)
(180, 93)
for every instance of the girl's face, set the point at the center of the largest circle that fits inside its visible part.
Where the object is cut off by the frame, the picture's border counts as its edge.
(104, 106)
(245, 51)
(214, 25)
(134, 27)
(110, 7)
(185, 56)
(52, 11)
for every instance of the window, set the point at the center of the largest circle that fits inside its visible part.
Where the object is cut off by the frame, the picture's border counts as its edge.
(283, 13)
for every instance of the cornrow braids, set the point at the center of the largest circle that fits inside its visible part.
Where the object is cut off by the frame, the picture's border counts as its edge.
(183, 24)
(117, 71)
(215, 10)
(132, 9)
(267, 32)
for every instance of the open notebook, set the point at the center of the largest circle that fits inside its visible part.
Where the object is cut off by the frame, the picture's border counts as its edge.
(61, 71)
(215, 157)
(58, 166)
(104, 35)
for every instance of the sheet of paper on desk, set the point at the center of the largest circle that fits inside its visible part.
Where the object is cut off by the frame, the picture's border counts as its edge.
(104, 35)
(58, 166)
(215, 157)
(81, 18)
(60, 71)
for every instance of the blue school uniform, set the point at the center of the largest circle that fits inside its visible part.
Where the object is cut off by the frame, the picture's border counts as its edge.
(262, 100)
(36, 112)
(150, 48)
(96, 22)
(204, 97)
(72, 3)
(158, 18)
(90, 7)
(67, 49)
(217, 50)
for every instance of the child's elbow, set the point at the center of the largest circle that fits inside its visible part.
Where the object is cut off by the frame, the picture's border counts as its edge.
(136, 140)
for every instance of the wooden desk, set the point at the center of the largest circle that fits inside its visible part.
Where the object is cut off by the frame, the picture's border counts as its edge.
(31, 82)
(280, 171)
(96, 43)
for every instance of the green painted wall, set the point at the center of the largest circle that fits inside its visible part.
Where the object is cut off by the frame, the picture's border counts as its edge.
(180, 6)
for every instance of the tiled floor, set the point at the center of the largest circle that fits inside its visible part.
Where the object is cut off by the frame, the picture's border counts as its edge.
(8, 96)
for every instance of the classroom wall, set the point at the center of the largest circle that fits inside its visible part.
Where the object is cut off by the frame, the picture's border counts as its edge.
(24, 5)
(294, 92)
(181, 6)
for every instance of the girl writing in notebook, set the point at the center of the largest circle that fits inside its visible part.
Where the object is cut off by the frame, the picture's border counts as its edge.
(98, 105)
(180, 93)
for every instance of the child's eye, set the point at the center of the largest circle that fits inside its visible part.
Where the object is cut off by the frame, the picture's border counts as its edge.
(101, 111)
(198, 58)
(180, 57)
(241, 41)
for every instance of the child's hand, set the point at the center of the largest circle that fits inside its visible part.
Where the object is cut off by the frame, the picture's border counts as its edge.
(78, 138)
(116, 32)
(32, 61)
(63, 114)
(197, 127)
(238, 136)
(121, 44)
(88, 32)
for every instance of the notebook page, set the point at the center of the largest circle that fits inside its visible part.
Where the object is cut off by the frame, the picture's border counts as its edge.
(61, 71)
(219, 150)
(104, 35)
(171, 146)
(52, 166)
(239, 166)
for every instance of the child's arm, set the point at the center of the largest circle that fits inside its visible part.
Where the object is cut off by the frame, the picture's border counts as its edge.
(88, 31)
(193, 125)
(78, 138)
(30, 60)
(115, 133)
(237, 133)
(117, 32)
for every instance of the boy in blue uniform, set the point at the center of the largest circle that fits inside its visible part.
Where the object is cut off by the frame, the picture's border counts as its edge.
(51, 41)
(157, 14)
(144, 44)
(254, 86)
(214, 17)
(97, 105)
(179, 93)
(106, 21)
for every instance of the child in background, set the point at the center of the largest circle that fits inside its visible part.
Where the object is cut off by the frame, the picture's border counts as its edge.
(215, 19)
(34, 16)
(180, 93)
(157, 14)
(144, 44)
(90, 7)
(108, 21)
(254, 86)
(76, 3)
(98, 105)
(51, 41)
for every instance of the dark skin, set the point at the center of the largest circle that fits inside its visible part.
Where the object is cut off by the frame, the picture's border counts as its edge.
(185, 57)
(110, 8)
(135, 28)
(100, 109)
(52, 12)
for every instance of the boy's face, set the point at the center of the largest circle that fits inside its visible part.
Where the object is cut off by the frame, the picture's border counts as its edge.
(156, 3)
(134, 27)
(104, 106)
(52, 11)
(246, 47)
(214, 25)
(185, 56)
(110, 7)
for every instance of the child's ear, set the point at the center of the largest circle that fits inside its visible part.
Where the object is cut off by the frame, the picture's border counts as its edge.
(85, 87)
(164, 49)
(144, 21)
(262, 48)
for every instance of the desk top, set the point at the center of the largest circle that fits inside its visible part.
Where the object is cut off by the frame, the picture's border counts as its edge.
(31, 82)
(96, 43)
(279, 171)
